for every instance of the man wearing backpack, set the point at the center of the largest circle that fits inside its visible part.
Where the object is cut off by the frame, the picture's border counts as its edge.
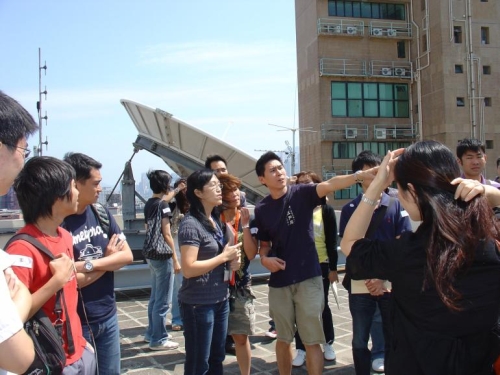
(99, 248)
(46, 192)
(16, 348)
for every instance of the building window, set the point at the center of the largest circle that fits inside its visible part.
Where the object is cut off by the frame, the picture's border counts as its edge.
(460, 102)
(401, 45)
(459, 68)
(485, 35)
(356, 99)
(489, 144)
(486, 69)
(349, 150)
(362, 9)
(424, 42)
(487, 102)
(422, 4)
(457, 34)
(484, 1)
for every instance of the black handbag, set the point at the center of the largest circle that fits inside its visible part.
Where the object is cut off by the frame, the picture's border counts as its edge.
(155, 246)
(50, 358)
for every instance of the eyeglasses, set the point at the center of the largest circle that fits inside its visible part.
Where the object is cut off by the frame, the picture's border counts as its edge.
(26, 150)
(215, 186)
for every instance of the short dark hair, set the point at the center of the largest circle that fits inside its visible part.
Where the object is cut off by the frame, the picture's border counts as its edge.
(260, 166)
(180, 197)
(469, 144)
(313, 176)
(15, 122)
(41, 182)
(82, 163)
(365, 158)
(212, 158)
(159, 181)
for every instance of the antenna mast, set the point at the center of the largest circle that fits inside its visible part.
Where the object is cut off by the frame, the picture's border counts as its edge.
(38, 149)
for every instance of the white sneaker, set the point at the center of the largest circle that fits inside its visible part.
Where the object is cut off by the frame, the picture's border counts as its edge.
(378, 365)
(329, 352)
(165, 345)
(299, 359)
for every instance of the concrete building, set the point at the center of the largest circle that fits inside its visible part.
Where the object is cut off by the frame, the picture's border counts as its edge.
(379, 75)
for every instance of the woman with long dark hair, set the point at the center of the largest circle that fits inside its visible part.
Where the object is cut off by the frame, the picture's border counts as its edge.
(445, 276)
(206, 261)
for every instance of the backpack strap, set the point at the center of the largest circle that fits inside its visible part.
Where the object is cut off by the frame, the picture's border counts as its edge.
(57, 307)
(102, 216)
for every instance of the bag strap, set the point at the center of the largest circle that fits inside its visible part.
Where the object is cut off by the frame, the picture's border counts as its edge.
(375, 223)
(102, 217)
(57, 307)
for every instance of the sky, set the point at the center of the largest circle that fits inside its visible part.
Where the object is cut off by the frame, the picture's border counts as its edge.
(227, 67)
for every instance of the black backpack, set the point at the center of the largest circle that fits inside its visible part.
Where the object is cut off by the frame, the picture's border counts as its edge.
(50, 358)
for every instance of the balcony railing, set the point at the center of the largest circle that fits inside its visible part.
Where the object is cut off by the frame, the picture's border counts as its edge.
(381, 29)
(341, 27)
(360, 68)
(342, 67)
(364, 132)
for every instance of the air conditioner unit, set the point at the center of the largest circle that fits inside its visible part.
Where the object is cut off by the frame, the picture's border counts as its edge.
(352, 30)
(392, 32)
(399, 71)
(380, 133)
(351, 133)
(377, 32)
(386, 71)
(337, 29)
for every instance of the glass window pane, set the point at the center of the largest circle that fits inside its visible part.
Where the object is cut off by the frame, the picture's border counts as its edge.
(375, 10)
(354, 90)
(331, 8)
(356, 9)
(401, 92)
(383, 11)
(400, 12)
(338, 90)
(355, 108)
(391, 11)
(386, 109)
(339, 108)
(340, 9)
(382, 148)
(370, 91)
(402, 109)
(366, 10)
(348, 8)
(351, 153)
(385, 91)
(371, 108)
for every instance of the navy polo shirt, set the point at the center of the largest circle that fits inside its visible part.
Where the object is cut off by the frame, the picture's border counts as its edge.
(396, 220)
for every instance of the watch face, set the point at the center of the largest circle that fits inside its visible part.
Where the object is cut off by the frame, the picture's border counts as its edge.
(88, 266)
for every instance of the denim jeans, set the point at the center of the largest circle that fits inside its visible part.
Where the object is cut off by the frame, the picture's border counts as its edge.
(205, 330)
(161, 274)
(176, 285)
(326, 314)
(107, 344)
(377, 334)
(363, 308)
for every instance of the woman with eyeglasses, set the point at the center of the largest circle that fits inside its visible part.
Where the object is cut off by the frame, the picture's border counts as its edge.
(207, 262)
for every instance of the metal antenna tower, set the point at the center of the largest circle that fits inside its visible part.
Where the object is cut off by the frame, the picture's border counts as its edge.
(292, 149)
(38, 149)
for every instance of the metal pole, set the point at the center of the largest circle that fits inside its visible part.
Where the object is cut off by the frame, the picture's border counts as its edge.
(293, 150)
(39, 102)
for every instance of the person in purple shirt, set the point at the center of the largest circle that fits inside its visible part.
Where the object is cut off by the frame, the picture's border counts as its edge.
(287, 250)
(471, 155)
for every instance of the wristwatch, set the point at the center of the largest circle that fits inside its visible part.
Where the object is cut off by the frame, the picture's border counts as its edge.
(88, 266)
(357, 177)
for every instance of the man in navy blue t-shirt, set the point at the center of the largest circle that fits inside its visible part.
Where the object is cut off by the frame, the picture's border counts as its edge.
(284, 219)
(97, 254)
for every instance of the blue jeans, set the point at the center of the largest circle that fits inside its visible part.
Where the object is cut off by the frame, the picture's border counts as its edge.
(107, 344)
(377, 334)
(363, 307)
(176, 285)
(161, 274)
(205, 330)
